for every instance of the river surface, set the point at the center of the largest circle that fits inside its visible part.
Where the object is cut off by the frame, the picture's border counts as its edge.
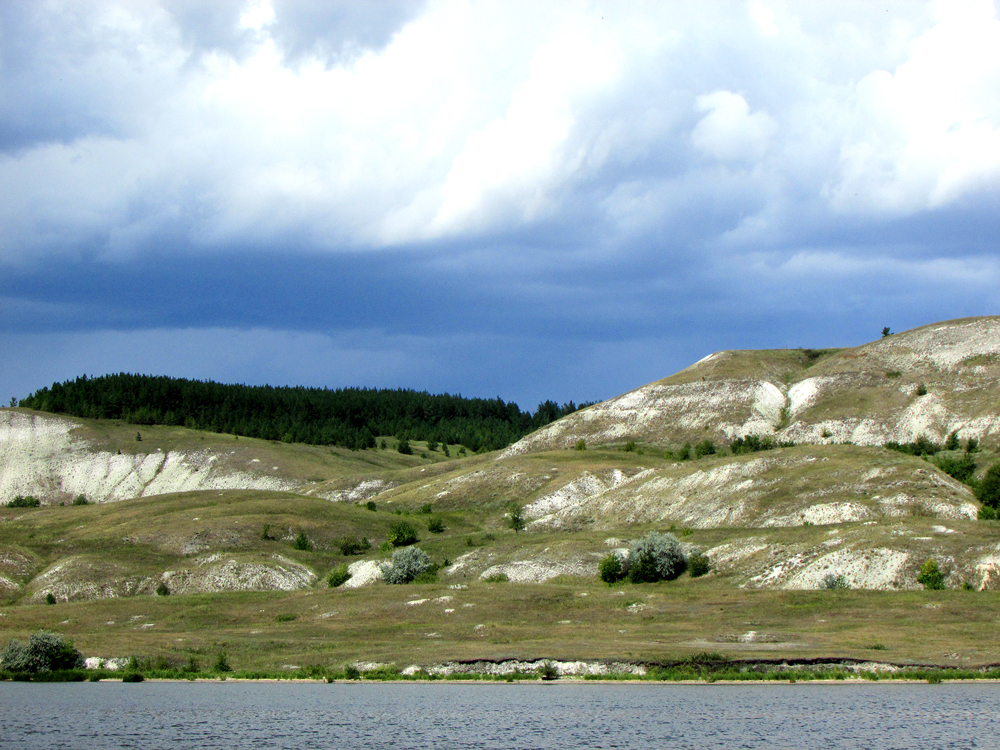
(401, 716)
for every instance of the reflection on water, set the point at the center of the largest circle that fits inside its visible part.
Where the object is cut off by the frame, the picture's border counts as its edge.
(235, 715)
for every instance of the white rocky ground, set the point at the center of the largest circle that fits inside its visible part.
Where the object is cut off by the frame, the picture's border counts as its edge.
(40, 456)
(949, 352)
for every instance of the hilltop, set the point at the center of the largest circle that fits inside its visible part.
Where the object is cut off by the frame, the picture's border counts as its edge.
(215, 519)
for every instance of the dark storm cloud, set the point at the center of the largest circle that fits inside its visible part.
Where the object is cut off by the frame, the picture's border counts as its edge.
(536, 200)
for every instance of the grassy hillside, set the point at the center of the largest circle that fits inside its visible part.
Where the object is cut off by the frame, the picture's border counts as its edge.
(215, 520)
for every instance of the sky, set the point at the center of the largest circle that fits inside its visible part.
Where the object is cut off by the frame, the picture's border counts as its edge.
(557, 200)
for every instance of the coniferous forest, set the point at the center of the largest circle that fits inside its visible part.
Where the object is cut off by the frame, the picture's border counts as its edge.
(347, 417)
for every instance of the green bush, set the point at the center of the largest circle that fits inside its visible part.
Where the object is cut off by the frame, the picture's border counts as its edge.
(705, 448)
(655, 557)
(988, 491)
(404, 447)
(302, 542)
(81, 500)
(515, 517)
(133, 677)
(986, 513)
(831, 581)
(548, 671)
(350, 545)
(961, 469)
(351, 672)
(698, 564)
(610, 568)
(683, 453)
(497, 578)
(930, 575)
(50, 598)
(44, 652)
(222, 663)
(370, 505)
(581, 445)
(24, 501)
(407, 564)
(921, 390)
(435, 526)
(338, 576)
(952, 444)
(629, 447)
(162, 589)
(401, 534)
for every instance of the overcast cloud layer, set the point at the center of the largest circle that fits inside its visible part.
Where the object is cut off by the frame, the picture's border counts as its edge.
(541, 200)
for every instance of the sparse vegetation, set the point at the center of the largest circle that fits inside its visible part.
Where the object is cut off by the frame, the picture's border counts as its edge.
(988, 491)
(609, 569)
(515, 517)
(24, 501)
(338, 576)
(401, 534)
(755, 443)
(705, 448)
(350, 545)
(931, 576)
(698, 564)
(834, 581)
(302, 542)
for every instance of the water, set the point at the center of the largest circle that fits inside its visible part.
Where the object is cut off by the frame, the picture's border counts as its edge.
(403, 716)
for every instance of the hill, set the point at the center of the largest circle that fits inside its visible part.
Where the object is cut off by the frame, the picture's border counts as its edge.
(812, 497)
(930, 382)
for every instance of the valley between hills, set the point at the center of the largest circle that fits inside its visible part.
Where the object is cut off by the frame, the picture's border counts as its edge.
(772, 464)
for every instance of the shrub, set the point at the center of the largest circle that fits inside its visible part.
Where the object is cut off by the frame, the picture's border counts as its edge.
(406, 565)
(610, 568)
(24, 501)
(351, 672)
(435, 526)
(951, 444)
(338, 576)
(428, 576)
(350, 545)
(961, 469)
(302, 542)
(988, 491)
(371, 506)
(655, 557)
(425, 509)
(515, 517)
(44, 652)
(921, 390)
(971, 445)
(831, 581)
(629, 447)
(133, 677)
(222, 663)
(162, 589)
(404, 447)
(401, 534)
(705, 448)
(500, 577)
(548, 671)
(698, 564)
(81, 500)
(265, 533)
(50, 598)
(930, 575)
(683, 453)
(986, 513)
(581, 445)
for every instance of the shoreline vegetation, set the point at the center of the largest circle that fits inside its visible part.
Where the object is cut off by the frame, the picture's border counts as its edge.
(687, 672)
